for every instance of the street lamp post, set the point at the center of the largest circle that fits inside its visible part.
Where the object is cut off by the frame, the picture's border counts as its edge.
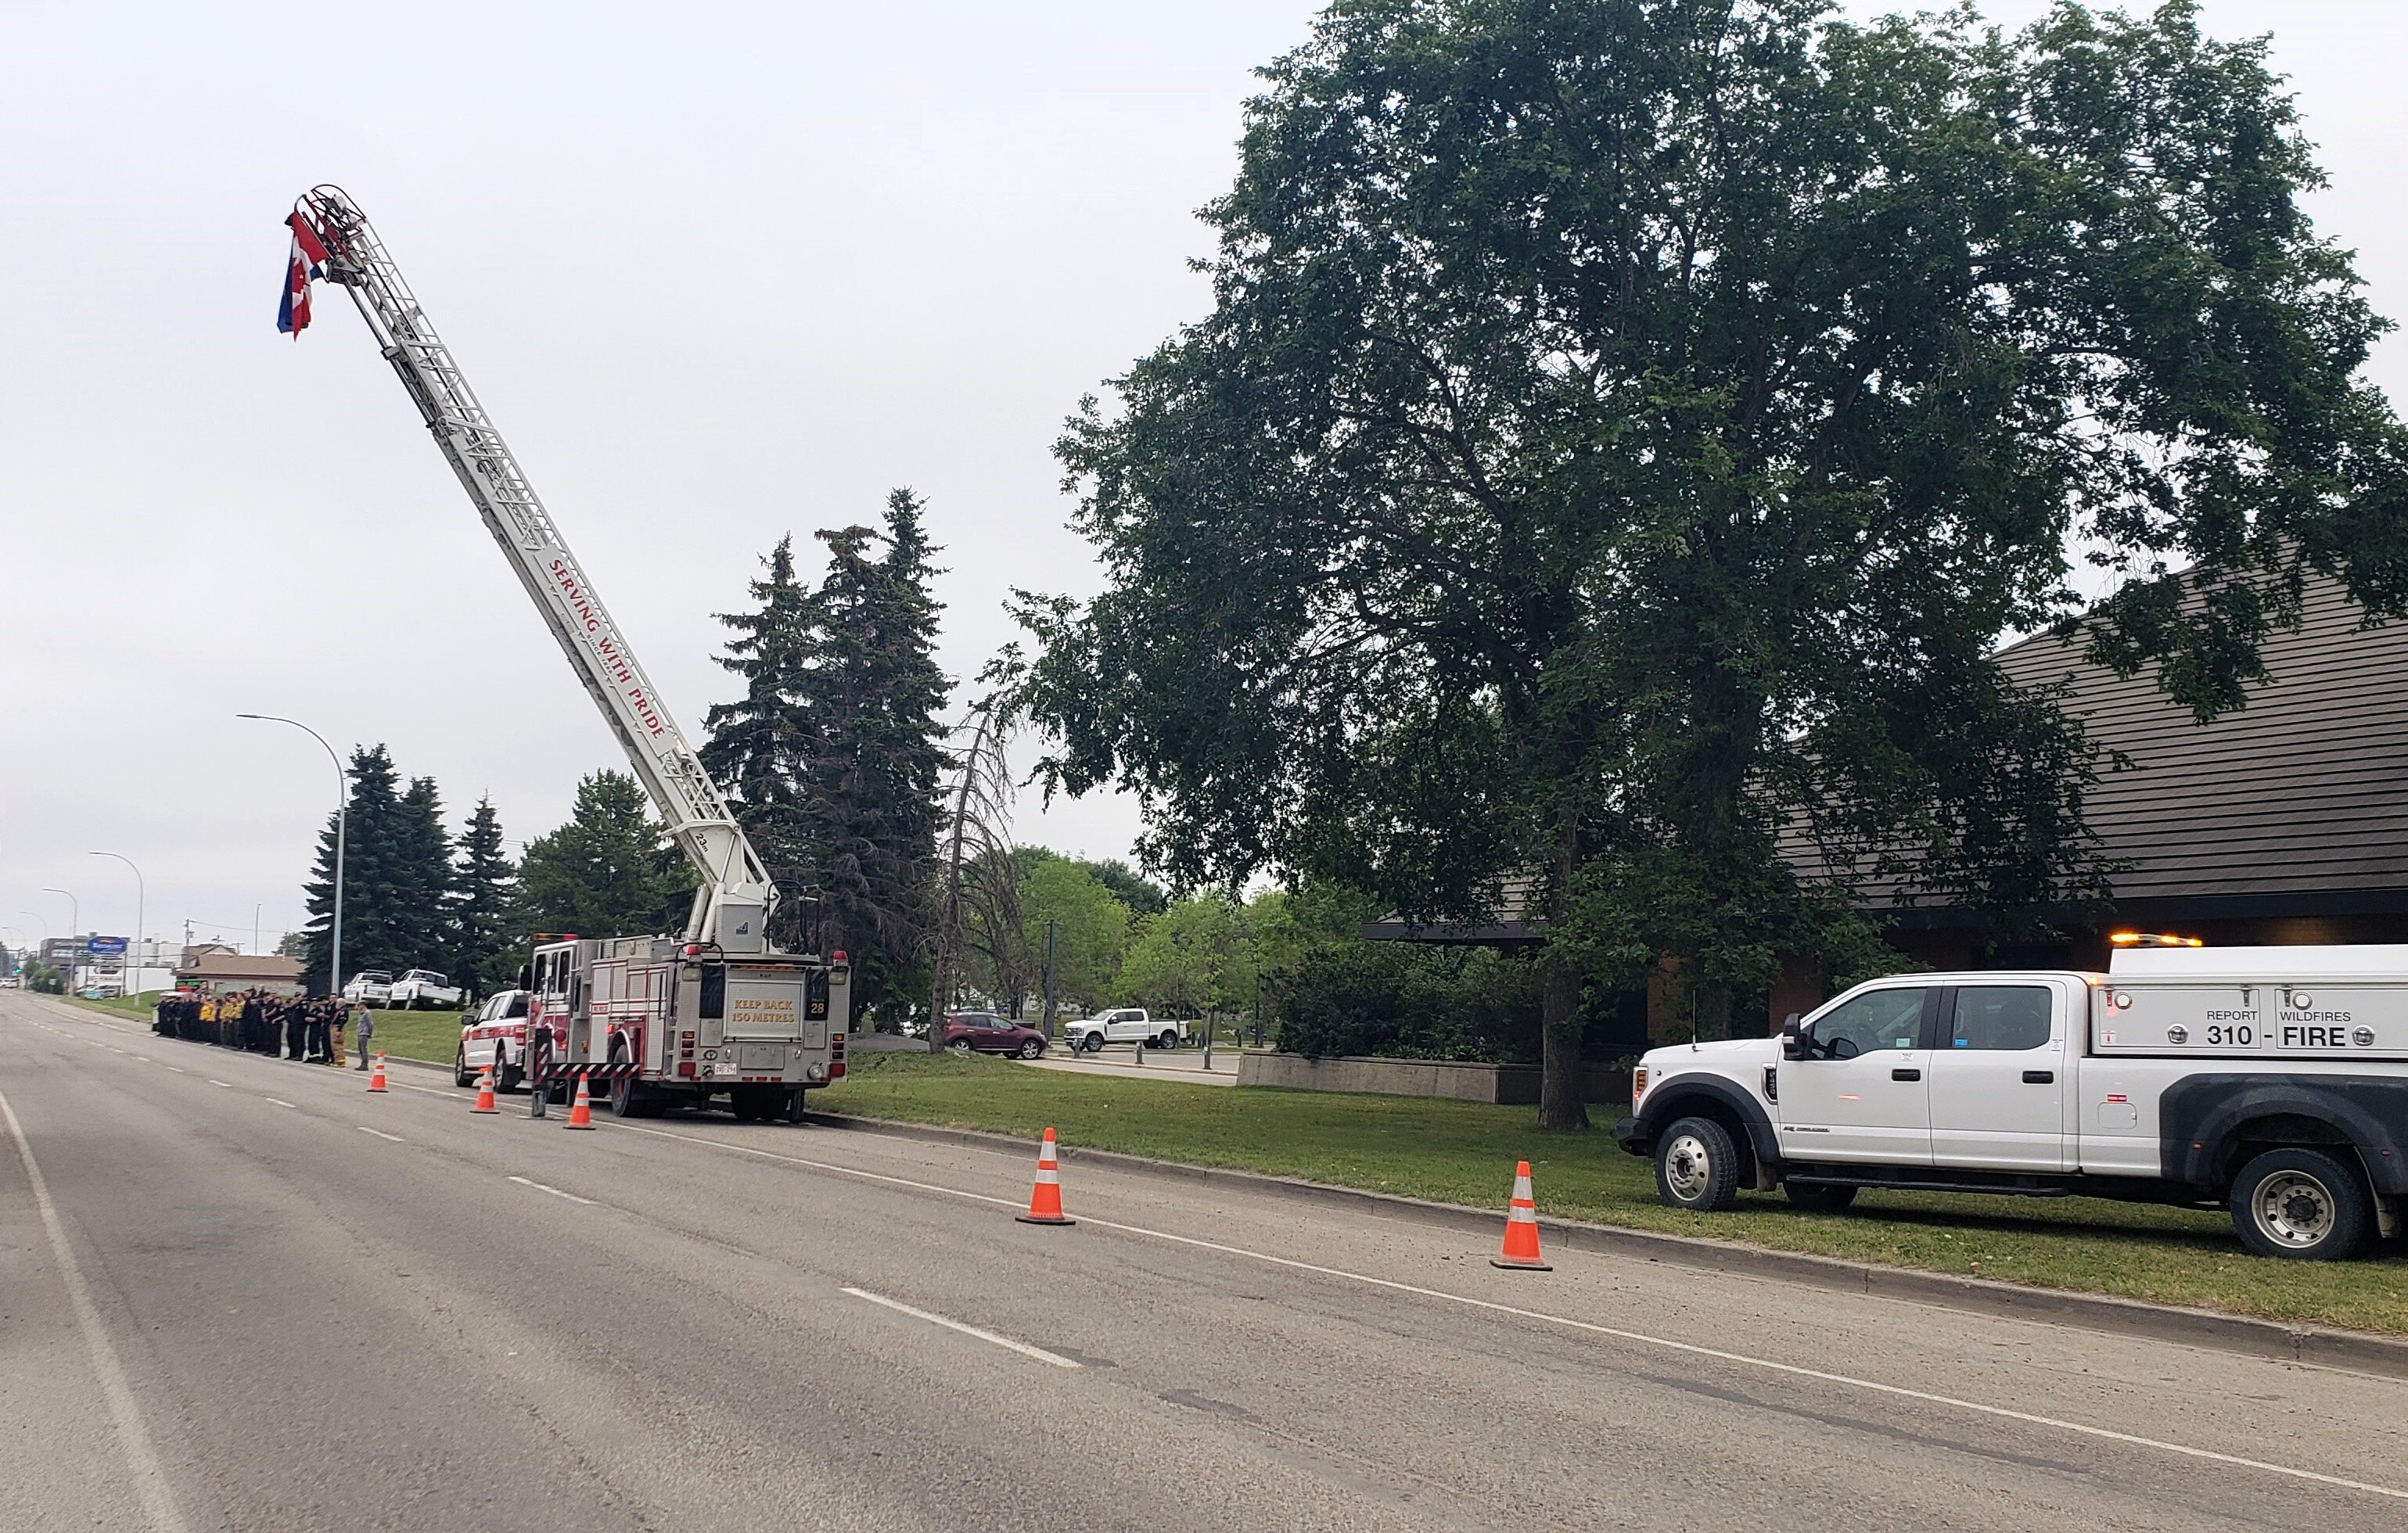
(75, 921)
(342, 815)
(141, 897)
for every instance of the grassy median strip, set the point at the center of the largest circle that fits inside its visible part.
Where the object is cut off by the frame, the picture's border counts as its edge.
(416, 1034)
(1464, 1152)
(407, 1034)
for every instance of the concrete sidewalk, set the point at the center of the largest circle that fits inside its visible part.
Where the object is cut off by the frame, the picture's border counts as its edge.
(1185, 1066)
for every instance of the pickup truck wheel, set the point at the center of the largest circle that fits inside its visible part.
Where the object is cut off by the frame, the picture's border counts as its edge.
(1697, 1167)
(460, 1076)
(1818, 1197)
(506, 1076)
(2303, 1204)
(1167, 1040)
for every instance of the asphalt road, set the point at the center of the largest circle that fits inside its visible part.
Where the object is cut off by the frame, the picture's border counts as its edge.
(264, 1299)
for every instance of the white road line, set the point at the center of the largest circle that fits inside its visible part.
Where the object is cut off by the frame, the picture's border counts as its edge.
(1006, 1343)
(1638, 1337)
(555, 1191)
(215, 1082)
(430, 1091)
(177, 1068)
(149, 1479)
(383, 1135)
(276, 1101)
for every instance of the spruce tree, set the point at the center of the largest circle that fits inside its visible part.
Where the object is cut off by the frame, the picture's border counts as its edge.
(876, 748)
(422, 851)
(484, 952)
(759, 743)
(604, 873)
(375, 883)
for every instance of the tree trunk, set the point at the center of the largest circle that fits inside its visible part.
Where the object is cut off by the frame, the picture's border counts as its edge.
(1559, 998)
(1559, 1059)
(1709, 1010)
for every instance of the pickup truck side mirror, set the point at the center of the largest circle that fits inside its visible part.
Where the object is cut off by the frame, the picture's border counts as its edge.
(1793, 1038)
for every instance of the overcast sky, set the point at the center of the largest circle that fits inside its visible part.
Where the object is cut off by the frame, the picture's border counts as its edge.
(720, 271)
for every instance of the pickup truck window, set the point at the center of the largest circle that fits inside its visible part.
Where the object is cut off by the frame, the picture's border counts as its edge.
(1881, 1020)
(1999, 1016)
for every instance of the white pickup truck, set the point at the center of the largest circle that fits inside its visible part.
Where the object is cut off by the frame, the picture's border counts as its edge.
(1128, 1024)
(2272, 1081)
(422, 989)
(369, 987)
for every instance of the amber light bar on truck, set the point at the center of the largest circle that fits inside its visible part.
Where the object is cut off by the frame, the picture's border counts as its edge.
(2154, 939)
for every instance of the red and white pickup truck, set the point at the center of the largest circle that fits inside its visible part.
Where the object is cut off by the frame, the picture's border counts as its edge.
(495, 1035)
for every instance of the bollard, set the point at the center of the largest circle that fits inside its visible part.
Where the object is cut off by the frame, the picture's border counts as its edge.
(1208, 1043)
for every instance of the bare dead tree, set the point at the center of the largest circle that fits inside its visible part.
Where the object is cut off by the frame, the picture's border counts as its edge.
(977, 901)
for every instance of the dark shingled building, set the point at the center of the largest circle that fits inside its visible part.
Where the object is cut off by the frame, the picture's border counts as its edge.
(2284, 822)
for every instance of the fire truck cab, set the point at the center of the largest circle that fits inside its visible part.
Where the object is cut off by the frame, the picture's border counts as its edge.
(657, 1022)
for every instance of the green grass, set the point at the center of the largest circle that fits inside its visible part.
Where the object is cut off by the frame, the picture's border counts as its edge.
(121, 1006)
(415, 1035)
(1464, 1152)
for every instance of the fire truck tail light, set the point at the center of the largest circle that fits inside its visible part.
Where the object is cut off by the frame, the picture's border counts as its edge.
(835, 1072)
(686, 1068)
(1638, 1085)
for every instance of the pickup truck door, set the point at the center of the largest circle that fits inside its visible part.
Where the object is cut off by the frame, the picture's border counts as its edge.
(1861, 1095)
(1997, 1077)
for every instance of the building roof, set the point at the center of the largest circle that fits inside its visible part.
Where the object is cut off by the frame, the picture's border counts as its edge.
(2296, 802)
(238, 965)
(2304, 791)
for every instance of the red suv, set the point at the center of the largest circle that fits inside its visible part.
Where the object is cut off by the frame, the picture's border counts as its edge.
(984, 1032)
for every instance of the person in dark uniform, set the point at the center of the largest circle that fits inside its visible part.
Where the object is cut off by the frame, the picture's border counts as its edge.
(322, 1021)
(252, 1018)
(296, 1028)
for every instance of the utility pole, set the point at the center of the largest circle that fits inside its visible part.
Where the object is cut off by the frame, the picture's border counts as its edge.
(1051, 928)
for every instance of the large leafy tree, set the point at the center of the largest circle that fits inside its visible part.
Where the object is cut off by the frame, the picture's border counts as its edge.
(604, 873)
(1624, 429)
(1089, 925)
(484, 952)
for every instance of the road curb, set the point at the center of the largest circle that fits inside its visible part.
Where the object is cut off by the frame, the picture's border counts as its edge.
(2313, 1345)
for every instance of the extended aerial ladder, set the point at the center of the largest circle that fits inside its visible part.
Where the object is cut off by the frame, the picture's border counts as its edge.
(655, 1022)
(733, 904)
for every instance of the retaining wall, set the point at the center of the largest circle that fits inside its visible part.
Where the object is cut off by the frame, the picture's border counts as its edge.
(1461, 1081)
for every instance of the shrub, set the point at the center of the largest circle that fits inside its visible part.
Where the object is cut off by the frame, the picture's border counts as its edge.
(1409, 1003)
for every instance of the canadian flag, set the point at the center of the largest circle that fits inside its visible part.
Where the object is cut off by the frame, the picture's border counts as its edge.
(308, 261)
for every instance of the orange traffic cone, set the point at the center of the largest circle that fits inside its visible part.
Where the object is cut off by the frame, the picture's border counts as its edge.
(375, 1082)
(1045, 1199)
(485, 1092)
(1521, 1227)
(580, 1111)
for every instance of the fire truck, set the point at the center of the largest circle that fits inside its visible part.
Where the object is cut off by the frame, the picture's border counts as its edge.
(655, 1021)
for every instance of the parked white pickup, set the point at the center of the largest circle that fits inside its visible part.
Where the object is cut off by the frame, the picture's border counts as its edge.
(1128, 1024)
(423, 989)
(2270, 1081)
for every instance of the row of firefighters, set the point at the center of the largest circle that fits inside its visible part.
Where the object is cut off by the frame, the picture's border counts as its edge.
(309, 1029)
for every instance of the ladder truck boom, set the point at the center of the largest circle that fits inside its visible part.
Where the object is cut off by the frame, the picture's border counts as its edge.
(733, 903)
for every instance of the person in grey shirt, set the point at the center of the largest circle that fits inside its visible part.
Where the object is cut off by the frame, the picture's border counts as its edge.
(364, 1030)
